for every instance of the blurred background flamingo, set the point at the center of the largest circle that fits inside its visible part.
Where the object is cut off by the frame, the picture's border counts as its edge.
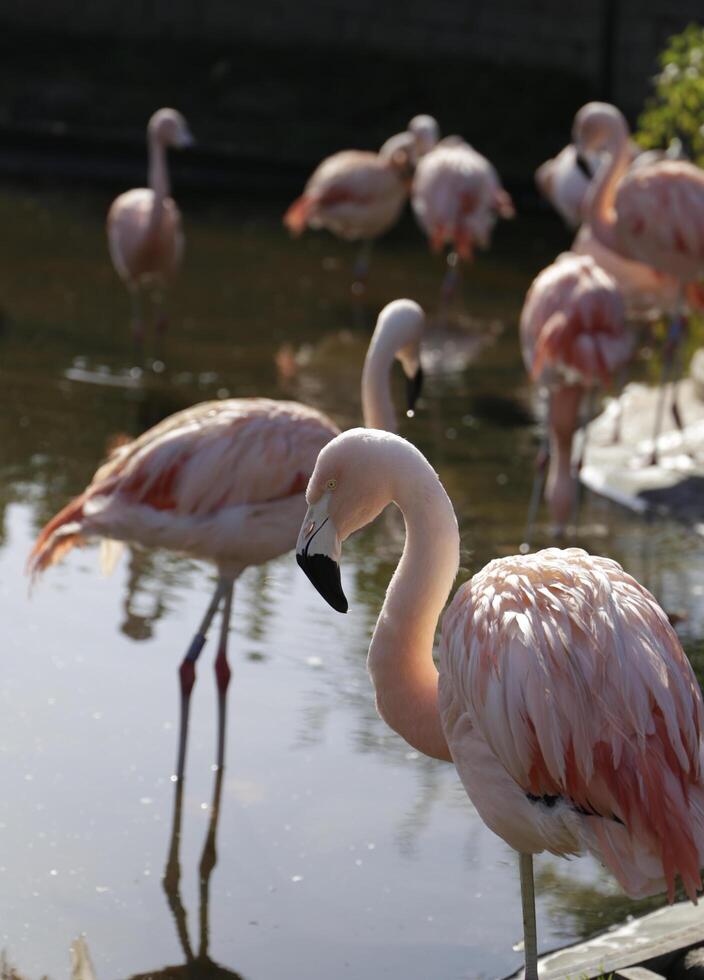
(652, 215)
(457, 197)
(358, 195)
(145, 237)
(574, 338)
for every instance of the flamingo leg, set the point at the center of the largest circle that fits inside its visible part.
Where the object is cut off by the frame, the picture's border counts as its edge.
(451, 282)
(209, 857)
(536, 494)
(161, 325)
(577, 501)
(187, 670)
(671, 358)
(360, 273)
(137, 322)
(530, 937)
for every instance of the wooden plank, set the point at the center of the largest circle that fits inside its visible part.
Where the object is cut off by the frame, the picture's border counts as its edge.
(637, 973)
(671, 928)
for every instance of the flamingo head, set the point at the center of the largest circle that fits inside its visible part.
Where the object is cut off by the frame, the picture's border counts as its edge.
(349, 488)
(425, 132)
(400, 327)
(598, 126)
(168, 127)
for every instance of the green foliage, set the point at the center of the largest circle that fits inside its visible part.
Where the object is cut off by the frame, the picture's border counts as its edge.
(675, 110)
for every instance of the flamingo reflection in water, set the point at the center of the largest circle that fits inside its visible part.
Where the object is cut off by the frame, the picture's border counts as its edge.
(198, 964)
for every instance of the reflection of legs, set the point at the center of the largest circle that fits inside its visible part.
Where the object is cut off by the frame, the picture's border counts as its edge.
(209, 856)
(172, 873)
(187, 670)
(530, 939)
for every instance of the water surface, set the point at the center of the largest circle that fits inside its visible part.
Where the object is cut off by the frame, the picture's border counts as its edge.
(340, 852)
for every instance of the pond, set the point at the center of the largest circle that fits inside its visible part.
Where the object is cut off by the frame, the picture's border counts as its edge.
(339, 851)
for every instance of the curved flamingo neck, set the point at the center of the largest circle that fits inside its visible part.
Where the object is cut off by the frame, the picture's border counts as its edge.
(378, 409)
(158, 177)
(401, 652)
(601, 198)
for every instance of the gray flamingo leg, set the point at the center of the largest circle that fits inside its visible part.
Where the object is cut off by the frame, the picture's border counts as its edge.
(187, 670)
(530, 936)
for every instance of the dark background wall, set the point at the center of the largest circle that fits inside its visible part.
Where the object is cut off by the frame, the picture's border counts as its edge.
(272, 85)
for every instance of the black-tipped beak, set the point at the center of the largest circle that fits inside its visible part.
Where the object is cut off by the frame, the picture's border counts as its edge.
(583, 165)
(324, 573)
(414, 387)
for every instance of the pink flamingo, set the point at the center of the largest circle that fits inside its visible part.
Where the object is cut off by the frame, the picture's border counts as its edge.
(145, 238)
(652, 214)
(224, 481)
(565, 181)
(573, 337)
(421, 136)
(357, 195)
(563, 696)
(456, 197)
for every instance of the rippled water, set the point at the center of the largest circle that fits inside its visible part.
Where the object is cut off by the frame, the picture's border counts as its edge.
(339, 851)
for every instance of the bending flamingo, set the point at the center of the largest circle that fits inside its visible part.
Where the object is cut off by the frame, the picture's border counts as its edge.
(225, 481)
(456, 197)
(563, 696)
(145, 238)
(357, 195)
(653, 214)
(573, 337)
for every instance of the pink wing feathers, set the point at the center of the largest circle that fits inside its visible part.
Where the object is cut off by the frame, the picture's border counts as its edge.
(191, 466)
(354, 193)
(660, 211)
(573, 323)
(571, 674)
(456, 197)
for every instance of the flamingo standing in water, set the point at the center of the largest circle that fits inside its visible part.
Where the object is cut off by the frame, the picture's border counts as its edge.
(358, 195)
(573, 337)
(225, 481)
(145, 238)
(565, 181)
(456, 197)
(653, 214)
(563, 696)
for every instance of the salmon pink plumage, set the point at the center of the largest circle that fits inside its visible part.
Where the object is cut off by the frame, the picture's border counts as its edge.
(562, 693)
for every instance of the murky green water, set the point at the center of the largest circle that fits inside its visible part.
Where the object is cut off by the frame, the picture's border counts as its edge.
(340, 852)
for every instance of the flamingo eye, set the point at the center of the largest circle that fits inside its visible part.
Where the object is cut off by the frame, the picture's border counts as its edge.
(331, 484)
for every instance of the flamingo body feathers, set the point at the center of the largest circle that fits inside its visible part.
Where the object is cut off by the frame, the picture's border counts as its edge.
(224, 480)
(573, 325)
(355, 194)
(143, 245)
(574, 717)
(456, 197)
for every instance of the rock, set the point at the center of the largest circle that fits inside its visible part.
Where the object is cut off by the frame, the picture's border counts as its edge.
(622, 470)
